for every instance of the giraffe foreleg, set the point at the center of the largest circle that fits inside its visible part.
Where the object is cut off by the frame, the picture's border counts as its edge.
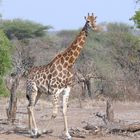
(30, 123)
(32, 95)
(65, 102)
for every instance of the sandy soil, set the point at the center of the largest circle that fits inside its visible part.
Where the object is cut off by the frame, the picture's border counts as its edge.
(127, 111)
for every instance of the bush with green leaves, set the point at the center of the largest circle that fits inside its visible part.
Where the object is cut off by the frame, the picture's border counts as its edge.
(116, 53)
(23, 29)
(136, 17)
(5, 60)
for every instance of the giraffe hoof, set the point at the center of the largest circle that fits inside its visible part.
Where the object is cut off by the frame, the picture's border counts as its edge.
(69, 138)
(66, 136)
(54, 115)
(35, 134)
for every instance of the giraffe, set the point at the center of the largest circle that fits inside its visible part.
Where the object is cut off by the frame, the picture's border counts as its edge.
(55, 78)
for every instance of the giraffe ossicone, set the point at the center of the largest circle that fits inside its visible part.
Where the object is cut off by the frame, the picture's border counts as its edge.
(56, 77)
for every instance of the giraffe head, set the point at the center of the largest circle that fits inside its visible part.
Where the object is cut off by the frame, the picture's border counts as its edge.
(91, 21)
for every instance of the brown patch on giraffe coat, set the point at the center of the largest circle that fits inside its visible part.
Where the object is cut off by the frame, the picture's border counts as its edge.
(55, 85)
(65, 54)
(64, 72)
(60, 74)
(37, 76)
(76, 53)
(78, 49)
(79, 39)
(83, 37)
(60, 86)
(67, 80)
(62, 60)
(53, 81)
(43, 82)
(37, 82)
(81, 43)
(58, 56)
(41, 79)
(70, 53)
(44, 76)
(64, 81)
(46, 82)
(54, 73)
(57, 62)
(65, 64)
(58, 79)
(52, 68)
(37, 72)
(69, 74)
(67, 58)
(71, 60)
(59, 67)
(74, 46)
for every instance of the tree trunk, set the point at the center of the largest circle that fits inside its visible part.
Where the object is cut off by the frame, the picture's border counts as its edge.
(84, 89)
(11, 110)
(109, 111)
(88, 84)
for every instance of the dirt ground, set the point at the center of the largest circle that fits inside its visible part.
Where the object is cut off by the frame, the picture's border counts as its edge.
(77, 116)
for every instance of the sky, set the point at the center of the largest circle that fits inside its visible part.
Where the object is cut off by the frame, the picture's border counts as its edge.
(68, 14)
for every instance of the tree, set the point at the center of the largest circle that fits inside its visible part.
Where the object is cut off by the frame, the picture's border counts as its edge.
(85, 71)
(136, 17)
(23, 29)
(124, 48)
(5, 59)
(21, 63)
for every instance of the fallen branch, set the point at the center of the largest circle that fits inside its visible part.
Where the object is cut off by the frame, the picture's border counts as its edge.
(115, 128)
(78, 132)
(134, 127)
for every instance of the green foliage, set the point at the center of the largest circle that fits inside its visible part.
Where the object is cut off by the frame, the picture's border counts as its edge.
(4, 54)
(23, 29)
(136, 18)
(118, 27)
(123, 46)
(3, 89)
(5, 60)
(116, 53)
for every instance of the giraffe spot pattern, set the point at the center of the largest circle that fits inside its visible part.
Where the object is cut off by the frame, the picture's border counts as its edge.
(62, 60)
(81, 43)
(59, 67)
(71, 60)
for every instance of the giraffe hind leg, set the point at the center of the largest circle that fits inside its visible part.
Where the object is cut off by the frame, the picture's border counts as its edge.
(55, 99)
(65, 102)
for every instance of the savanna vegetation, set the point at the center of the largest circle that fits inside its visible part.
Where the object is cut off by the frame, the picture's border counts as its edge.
(108, 65)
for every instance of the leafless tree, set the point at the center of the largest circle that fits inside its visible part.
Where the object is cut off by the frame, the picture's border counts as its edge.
(21, 62)
(85, 71)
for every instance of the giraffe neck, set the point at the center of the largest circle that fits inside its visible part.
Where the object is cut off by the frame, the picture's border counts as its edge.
(73, 51)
